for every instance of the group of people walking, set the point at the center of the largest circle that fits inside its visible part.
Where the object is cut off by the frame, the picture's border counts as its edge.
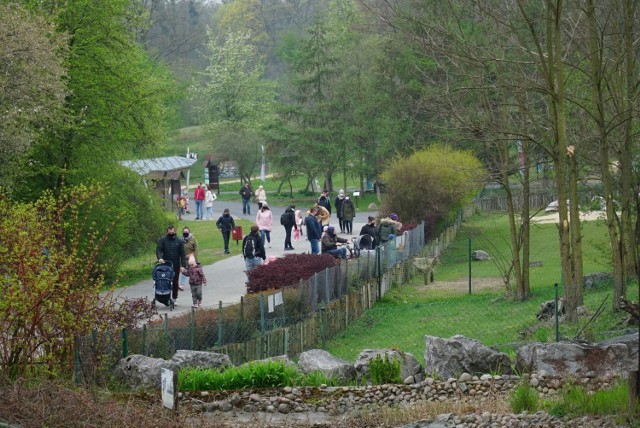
(322, 237)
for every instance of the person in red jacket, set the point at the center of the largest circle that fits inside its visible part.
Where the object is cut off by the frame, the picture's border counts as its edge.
(198, 196)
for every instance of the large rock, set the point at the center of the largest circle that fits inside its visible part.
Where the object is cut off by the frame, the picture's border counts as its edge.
(409, 366)
(450, 357)
(480, 255)
(573, 358)
(142, 371)
(631, 340)
(330, 366)
(201, 359)
(594, 279)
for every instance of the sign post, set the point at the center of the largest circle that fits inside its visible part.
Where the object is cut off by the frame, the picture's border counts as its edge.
(356, 194)
(169, 387)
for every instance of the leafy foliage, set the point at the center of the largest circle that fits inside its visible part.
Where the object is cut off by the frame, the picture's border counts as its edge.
(286, 271)
(434, 181)
(51, 280)
(575, 400)
(32, 90)
(383, 370)
(258, 374)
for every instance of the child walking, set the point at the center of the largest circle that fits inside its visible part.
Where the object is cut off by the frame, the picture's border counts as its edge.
(196, 280)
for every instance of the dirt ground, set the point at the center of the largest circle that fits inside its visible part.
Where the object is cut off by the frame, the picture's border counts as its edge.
(554, 217)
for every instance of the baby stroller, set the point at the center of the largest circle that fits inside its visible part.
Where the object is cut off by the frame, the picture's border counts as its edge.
(163, 275)
(363, 244)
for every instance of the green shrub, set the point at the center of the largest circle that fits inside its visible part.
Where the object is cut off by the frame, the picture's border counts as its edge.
(269, 374)
(524, 398)
(576, 401)
(383, 370)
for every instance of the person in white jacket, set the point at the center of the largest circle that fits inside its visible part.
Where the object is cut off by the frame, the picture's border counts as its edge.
(209, 198)
(261, 196)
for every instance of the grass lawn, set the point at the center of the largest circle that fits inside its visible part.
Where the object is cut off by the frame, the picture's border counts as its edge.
(445, 308)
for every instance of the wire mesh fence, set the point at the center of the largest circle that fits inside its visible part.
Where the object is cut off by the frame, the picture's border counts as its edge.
(285, 321)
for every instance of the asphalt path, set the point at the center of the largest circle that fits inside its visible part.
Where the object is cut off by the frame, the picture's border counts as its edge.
(226, 278)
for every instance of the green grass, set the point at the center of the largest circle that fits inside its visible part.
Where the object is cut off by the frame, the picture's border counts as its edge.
(260, 374)
(575, 401)
(409, 312)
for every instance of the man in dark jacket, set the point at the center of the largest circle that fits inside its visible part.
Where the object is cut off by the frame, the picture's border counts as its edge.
(225, 225)
(324, 200)
(370, 229)
(246, 193)
(289, 222)
(314, 230)
(171, 248)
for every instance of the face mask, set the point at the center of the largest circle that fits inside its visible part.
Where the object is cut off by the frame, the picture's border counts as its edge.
(185, 234)
(171, 235)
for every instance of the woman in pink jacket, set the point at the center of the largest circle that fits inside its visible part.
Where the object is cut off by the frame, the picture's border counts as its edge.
(264, 220)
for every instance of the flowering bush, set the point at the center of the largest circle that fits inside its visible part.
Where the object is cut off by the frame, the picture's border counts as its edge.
(287, 270)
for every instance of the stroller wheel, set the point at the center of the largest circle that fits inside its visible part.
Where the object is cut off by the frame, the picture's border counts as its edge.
(171, 304)
(153, 303)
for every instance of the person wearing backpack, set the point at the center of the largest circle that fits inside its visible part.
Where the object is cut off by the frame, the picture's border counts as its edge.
(253, 249)
(288, 221)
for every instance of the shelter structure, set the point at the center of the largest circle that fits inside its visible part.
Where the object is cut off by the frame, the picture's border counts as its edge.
(163, 174)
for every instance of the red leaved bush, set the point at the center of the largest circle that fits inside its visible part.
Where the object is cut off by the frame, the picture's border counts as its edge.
(286, 271)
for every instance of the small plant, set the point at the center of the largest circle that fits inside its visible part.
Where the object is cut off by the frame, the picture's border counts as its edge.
(383, 370)
(576, 401)
(524, 398)
(542, 335)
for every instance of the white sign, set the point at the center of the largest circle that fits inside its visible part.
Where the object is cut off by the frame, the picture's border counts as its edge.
(356, 193)
(168, 389)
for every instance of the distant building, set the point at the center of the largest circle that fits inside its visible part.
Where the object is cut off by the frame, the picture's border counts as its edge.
(164, 174)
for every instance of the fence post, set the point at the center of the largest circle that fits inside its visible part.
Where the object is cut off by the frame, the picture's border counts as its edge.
(322, 327)
(326, 286)
(555, 312)
(315, 291)
(76, 354)
(262, 326)
(192, 325)
(125, 343)
(469, 265)
(144, 339)
(165, 332)
(379, 271)
(220, 323)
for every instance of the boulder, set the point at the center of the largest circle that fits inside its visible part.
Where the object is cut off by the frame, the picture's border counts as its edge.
(409, 366)
(479, 255)
(142, 371)
(631, 340)
(372, 207)
(201, 359)
(332, 367)
(576, 358)
(547, 309)
(594, 279)
(450, 357)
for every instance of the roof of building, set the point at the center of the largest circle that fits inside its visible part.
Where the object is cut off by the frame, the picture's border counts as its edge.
(146, 167)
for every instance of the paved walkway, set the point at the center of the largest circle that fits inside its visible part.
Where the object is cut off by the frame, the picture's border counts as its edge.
(226, 278)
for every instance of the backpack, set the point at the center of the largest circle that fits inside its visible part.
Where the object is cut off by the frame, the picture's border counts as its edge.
(249, 248)
(287, 218)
